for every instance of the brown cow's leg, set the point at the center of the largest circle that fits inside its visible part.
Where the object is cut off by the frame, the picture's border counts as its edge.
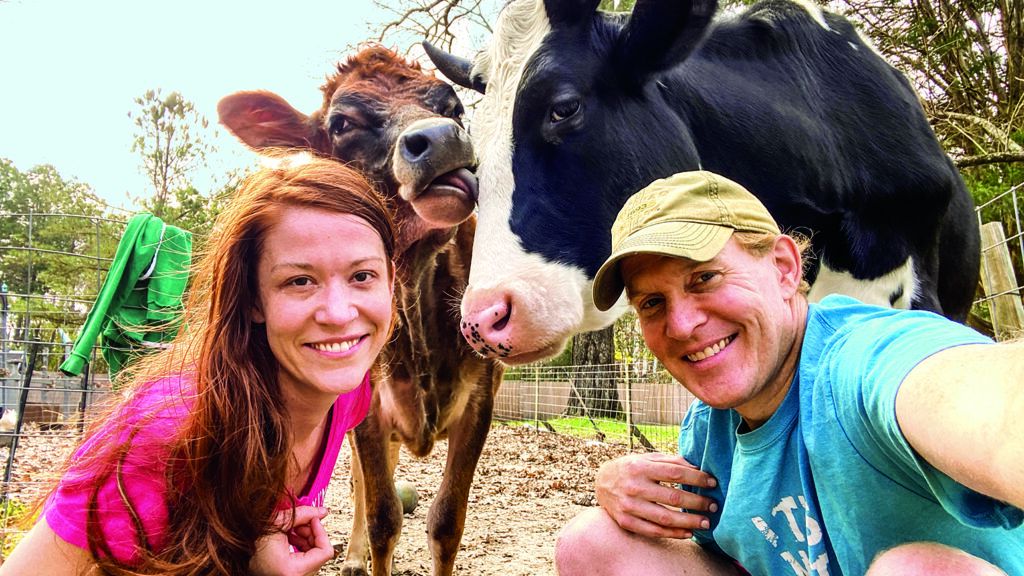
(377, 525)
(358, 550)
(383, 508)
(466, 439)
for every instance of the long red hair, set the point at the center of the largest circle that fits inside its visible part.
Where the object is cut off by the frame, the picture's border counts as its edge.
(227, 469)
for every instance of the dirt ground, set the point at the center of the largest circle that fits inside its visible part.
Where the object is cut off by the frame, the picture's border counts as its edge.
(528, 484)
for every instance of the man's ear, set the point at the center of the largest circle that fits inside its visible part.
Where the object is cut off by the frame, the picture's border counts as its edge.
(789, 264)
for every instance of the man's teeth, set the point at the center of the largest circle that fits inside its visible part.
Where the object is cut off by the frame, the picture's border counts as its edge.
(335, 346)
(708, 352)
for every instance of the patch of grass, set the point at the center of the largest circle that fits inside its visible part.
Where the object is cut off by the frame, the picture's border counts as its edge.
(663, 437)
(12, 512)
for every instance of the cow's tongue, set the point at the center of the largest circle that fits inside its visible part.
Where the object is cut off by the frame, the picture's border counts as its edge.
(461, 179)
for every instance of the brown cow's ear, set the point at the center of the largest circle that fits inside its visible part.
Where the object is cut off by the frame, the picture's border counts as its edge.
(263, 119)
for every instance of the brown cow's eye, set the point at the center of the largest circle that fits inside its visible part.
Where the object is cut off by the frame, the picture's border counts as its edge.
(339, 125)
(562, 111)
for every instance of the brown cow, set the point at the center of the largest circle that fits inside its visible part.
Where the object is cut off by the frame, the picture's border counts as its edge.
(402, 128)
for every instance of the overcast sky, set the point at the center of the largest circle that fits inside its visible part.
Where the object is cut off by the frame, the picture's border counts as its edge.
(70, 70)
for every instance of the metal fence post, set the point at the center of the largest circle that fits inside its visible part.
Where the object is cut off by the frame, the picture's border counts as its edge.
(536, 398)
(629, 403)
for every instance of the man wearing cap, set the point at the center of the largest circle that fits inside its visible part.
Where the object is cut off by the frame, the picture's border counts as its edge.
(828, 438)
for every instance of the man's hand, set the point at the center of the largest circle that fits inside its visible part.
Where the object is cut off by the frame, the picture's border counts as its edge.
(631, 491)
(300, 548)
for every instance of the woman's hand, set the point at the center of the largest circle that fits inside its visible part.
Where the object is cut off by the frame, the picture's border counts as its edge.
(300, 548)
(638, 491)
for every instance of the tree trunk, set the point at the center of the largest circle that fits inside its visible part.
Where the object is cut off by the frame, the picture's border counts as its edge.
(595, 394)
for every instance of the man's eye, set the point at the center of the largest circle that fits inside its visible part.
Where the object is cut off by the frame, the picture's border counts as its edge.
(705, 277)
(650, 303)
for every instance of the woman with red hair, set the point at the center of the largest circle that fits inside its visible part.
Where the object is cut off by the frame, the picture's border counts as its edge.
(216, 459)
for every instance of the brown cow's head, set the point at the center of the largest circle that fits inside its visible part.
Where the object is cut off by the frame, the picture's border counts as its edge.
(386, 117)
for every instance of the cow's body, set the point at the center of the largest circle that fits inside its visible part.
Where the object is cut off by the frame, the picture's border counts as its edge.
(582, 109)
(403, 129)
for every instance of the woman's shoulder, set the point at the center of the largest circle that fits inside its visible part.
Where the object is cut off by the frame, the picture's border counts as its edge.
(170, 395)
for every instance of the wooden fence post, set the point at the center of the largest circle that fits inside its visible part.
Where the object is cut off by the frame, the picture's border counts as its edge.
(1001, 287)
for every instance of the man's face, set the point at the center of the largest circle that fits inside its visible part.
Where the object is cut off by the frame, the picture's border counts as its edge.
(728, 329)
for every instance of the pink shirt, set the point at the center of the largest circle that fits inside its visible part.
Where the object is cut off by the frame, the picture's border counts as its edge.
(159, 410)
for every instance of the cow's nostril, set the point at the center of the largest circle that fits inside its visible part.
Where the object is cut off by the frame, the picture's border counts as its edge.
(414, 146)
(503, 321)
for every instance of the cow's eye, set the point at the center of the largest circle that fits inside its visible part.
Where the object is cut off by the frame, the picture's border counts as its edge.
(564, 110)
(454, 109)
(340, 125)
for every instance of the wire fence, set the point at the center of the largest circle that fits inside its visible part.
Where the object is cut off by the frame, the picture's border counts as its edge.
(638, 405)
(51, 269)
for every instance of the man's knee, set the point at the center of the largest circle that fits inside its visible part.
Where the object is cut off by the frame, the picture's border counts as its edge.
(582, 541)
(929, 558)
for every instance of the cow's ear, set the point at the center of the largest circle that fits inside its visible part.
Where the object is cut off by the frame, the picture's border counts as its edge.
(263, 119)
(458, 70)
(569, 12)
(661, 34)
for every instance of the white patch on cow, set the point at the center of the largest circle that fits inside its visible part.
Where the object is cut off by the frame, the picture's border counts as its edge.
(469, 373)
(520, 29)
(866, 41)
(879, 291)
(815, 12)
(548, 298)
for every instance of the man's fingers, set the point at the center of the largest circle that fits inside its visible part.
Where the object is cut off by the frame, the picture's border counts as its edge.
(674, 470)
(665, 516)
(653, 530)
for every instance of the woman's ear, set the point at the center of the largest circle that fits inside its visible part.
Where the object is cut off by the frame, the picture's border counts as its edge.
(788, 263)
(256, 314)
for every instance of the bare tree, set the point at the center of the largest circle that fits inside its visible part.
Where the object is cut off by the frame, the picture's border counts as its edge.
(166, 138)
(965, 59)
(436, 21)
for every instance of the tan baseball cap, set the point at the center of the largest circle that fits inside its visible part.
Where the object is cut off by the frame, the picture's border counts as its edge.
(687, 215)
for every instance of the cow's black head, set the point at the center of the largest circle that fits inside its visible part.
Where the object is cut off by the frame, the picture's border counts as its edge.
(573, 121)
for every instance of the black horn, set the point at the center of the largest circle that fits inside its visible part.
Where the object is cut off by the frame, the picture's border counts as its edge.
(458, 70)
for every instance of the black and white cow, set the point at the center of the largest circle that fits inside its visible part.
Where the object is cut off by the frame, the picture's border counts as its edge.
(582, 108)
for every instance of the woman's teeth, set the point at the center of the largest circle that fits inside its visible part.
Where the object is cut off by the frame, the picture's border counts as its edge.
(335, 346)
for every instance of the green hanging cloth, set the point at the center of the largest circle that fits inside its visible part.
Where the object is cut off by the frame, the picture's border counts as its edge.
(139, 305)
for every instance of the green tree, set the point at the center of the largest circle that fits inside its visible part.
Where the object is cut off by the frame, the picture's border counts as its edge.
(56, 238)
(168, 138)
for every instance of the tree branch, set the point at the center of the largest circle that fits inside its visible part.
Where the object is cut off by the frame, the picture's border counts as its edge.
(983, 159)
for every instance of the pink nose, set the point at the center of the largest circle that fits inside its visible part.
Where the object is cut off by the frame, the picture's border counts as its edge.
(487, 328)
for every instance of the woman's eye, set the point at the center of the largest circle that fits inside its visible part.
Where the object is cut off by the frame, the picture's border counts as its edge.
(562, 111)
(363, 276)
(301, 281)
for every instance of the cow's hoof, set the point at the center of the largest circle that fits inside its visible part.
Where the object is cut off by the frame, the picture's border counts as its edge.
(353, 569)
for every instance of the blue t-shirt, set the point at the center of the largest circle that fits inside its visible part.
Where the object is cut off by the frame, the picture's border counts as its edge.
(829, 481)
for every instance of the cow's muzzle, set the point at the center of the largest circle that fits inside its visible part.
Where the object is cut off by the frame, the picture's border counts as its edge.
(433, 163)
